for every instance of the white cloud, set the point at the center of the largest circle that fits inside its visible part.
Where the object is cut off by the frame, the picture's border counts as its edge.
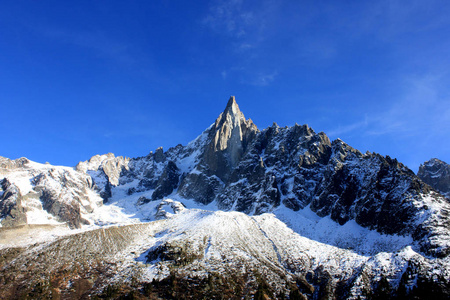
(228, 17)
(224, 74)
(264, 79)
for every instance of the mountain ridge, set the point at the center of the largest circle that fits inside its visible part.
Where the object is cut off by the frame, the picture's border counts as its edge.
(280, 175)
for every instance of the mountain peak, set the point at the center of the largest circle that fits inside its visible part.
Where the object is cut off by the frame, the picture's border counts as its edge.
(231, 116)
(232, 107)
(232, 101)
(436, 173)
(229, 138)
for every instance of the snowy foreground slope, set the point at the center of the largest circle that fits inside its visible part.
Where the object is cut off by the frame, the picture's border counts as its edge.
(196, 245)
(238, 212)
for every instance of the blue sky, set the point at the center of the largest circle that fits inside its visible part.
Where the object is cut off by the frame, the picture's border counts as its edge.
(91, 77)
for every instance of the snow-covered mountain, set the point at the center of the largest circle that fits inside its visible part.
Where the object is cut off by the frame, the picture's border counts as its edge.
(277, 212)
(436, 173)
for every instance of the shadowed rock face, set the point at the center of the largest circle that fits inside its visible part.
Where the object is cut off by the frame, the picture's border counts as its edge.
(244, 169)
(11, 210)
(167, 182)
(436, 173)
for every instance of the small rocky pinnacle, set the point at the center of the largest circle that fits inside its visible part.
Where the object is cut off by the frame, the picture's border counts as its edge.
(232, 107)
(231, 101)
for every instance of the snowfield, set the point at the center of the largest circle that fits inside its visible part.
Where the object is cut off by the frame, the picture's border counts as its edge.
(221, 241)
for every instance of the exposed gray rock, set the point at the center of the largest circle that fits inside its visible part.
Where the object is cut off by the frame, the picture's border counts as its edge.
(167, 207)
(143, 200)
(298, 167)
(66, 212)
(159, 155)
(8, 164)
(111, 166)
(228, 141)
(106, 170)
(436, 173)
(167, 182)
(65, 199)
(106, 192)
(200, 187)
(12, 212)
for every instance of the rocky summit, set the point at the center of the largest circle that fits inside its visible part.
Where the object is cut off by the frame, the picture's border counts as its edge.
(239, 212)
(436, 173)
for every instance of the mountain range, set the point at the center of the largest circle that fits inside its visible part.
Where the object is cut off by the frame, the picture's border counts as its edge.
(237, 213)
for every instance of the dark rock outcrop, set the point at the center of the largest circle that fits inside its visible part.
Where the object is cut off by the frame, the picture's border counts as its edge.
(12, 212)
(167, 182)
(436, 173)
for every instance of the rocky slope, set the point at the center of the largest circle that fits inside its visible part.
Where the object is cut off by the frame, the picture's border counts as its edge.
(193, 253)
(235, 166)
(436, 173)
(317, 187)
(34, 193)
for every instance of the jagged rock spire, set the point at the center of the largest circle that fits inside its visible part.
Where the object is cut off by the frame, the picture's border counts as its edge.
(229, 138)
(231, 126)
(232, 107)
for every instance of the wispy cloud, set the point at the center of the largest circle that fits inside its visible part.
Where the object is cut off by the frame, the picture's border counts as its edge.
(224, 74)
(250, 77)
(229, 17)
(343, 129)
(243, 26)
(422, 108)
(264, 79)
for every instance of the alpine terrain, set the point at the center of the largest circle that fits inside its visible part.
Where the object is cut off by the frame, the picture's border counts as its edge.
(238, 213)
(436, 173)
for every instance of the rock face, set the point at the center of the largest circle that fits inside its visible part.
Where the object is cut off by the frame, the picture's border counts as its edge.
(105, 170)
(110, 166)
(167, 182)
(66, 199)
(12, 212)
(35, 193)
(436, 173)
(228, 141)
